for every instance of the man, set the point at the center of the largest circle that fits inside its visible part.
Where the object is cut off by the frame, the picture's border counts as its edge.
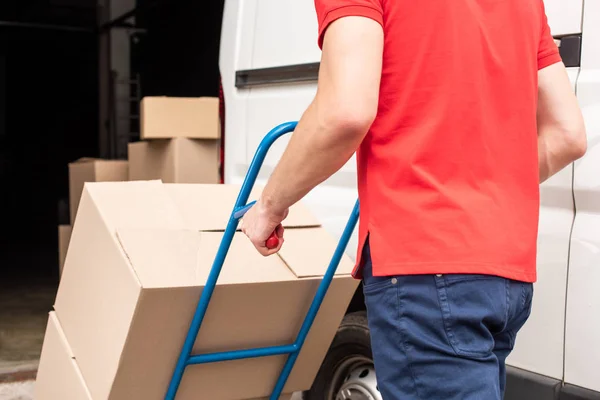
(458, 110)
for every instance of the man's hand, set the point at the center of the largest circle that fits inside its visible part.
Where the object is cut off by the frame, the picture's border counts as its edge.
(260, 222)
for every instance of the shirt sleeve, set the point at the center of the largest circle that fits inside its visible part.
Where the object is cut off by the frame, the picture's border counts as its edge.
(331, 10)
(547, 51)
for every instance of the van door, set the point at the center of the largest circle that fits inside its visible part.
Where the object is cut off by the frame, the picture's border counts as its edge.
(582, 352)
(539, 348)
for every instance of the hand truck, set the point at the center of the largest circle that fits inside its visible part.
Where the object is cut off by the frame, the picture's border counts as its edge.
(292, 350)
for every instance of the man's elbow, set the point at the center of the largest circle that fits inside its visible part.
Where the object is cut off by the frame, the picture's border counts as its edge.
(576, 140)
(350, 122)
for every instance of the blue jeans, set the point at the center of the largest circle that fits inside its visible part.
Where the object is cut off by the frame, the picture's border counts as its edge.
(444, 337)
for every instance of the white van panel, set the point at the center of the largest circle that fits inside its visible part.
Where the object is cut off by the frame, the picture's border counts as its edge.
(582, 352)
(583, 305)
(237, 36)
(286, 33)
(270, 106)
(235, 54)
(590, 55)
(564, 16)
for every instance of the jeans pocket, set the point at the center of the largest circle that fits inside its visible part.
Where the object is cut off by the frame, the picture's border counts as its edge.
(474, 308)
(373, 284)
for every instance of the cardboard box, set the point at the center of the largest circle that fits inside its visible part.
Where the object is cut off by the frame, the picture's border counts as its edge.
(58, 375)
(64, 236)
(170, 117)
(139, 257)
(92, 170)
(177, 160)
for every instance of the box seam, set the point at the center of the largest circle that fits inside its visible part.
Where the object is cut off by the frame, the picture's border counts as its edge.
(129, 262)
(176, 144)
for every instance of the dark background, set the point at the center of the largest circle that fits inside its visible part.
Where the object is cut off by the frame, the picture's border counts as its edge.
(49, 105)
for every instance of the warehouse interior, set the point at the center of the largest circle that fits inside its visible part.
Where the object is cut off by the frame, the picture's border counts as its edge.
(62, 93)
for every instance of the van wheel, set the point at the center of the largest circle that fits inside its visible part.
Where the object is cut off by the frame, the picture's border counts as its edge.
(347, 373)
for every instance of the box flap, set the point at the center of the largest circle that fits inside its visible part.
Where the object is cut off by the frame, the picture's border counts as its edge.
(162, 257)
(208, 207)
(308, 251)
(140, 204)
(243, 263)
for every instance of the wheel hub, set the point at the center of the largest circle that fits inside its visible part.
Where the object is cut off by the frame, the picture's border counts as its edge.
(360, 384)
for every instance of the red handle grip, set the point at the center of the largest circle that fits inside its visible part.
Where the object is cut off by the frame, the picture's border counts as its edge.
(273, 241)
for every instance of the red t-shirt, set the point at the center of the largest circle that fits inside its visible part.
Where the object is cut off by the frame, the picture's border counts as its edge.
(448, 173)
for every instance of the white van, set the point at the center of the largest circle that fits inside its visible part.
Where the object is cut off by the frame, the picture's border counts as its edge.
(269, 61)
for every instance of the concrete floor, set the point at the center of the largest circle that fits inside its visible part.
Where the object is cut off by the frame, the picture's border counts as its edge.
(23, 316)
(17, 391)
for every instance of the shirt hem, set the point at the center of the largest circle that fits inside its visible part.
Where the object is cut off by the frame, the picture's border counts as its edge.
(433, 268)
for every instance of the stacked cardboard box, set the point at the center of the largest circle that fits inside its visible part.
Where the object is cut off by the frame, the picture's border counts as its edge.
(82, 171)
(139, 258)
(180, 141)
(180, 145)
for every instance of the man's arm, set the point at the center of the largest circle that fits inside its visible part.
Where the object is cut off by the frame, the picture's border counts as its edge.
(561, 131)
(332, 127)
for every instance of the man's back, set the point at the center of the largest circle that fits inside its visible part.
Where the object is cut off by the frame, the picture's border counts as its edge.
(449, 168)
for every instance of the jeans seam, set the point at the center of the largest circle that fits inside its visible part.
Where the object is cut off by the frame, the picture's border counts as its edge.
(507, 287)
(511, 337)
(403, 342)
(446, 315)
(523, 295)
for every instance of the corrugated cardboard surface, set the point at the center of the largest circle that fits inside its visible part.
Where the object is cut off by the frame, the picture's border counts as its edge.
(171, 117)
(58, 375)
(92, 170)
(64, 236)
(177, 160)
(134, 273)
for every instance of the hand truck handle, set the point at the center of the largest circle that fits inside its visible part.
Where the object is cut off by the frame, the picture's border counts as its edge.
(257, 161)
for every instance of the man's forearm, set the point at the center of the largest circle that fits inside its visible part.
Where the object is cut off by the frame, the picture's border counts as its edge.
(561, 130)
(316, 151)
(544, 159)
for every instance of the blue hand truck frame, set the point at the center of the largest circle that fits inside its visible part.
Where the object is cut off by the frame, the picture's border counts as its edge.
(292, 350)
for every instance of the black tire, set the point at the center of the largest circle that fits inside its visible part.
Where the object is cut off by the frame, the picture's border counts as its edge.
(351, 340)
